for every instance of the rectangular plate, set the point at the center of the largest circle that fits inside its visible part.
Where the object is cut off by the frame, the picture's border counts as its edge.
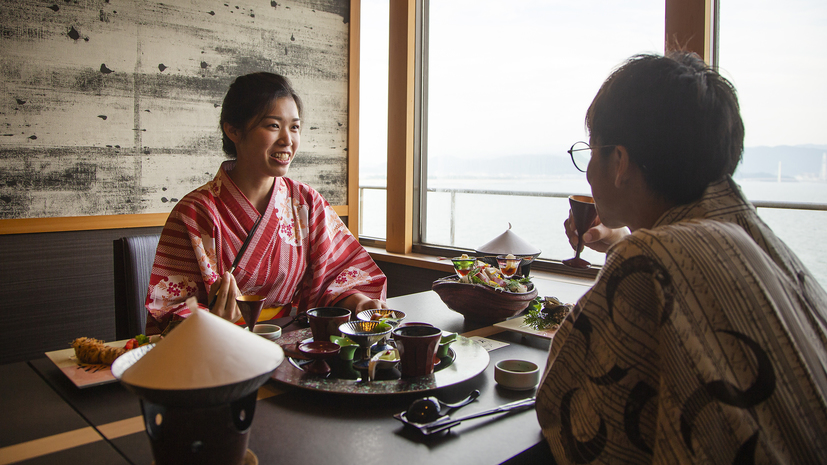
(518, 325)
(81, 374)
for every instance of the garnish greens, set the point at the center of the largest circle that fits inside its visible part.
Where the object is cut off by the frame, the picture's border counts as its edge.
(546, 313)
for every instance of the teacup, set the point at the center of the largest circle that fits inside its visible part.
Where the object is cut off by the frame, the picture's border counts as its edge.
(518, 375)
(417, 346)
(271, 332)
(325, 321)
(414, 323)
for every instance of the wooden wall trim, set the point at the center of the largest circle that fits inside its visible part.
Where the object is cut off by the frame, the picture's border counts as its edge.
(688, 26)
(87, 223)
(353, 116)
(81, 223)
(401, 61)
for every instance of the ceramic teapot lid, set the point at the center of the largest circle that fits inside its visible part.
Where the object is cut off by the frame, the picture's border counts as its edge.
(508, 242)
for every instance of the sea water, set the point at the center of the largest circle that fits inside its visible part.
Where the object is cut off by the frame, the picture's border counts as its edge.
(470, 220)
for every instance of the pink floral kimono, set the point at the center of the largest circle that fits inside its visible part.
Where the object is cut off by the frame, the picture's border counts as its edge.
(301, 253)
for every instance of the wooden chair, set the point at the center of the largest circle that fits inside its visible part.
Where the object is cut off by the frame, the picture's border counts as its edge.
(134, 256)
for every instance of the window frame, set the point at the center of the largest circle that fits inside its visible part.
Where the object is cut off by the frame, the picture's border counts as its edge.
(689, 24)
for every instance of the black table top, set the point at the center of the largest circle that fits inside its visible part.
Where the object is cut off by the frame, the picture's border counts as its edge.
(293, 425)
(39, 427)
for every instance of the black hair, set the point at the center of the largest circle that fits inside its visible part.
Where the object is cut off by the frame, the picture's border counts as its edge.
(248, 98)
(678, 118)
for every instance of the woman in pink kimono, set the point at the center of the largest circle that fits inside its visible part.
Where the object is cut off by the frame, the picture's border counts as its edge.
(301, 253)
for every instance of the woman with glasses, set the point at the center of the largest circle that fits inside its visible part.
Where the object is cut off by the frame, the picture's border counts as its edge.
(703, 338)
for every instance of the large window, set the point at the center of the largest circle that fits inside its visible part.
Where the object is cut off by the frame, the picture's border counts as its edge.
(373, 117)
(508, 86)
(773, 52)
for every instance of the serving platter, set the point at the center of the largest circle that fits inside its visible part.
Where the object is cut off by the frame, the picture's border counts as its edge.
(518, 325)
(466, 360)
(83, 375)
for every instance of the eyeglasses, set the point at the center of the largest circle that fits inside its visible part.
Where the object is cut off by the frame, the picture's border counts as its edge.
(581, 153)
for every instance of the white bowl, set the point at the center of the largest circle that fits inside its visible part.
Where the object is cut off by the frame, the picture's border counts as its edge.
(271, 332)
(518, 375)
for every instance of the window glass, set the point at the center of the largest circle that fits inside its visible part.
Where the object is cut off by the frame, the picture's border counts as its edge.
(773, 52)
(373, 118)
(508, 88)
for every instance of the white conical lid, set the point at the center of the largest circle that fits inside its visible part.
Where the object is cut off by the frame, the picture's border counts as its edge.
(204, 351)
(508, 242)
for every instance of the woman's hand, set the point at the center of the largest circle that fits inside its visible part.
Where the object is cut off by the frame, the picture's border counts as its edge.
(357, 302)
(227, 291)
(370, 304)
(598, 237)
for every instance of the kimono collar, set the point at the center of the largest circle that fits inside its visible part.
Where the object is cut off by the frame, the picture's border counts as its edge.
(719, 195)
(244, 208)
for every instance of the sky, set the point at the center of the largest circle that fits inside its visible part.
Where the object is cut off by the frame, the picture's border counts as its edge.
(511, 78)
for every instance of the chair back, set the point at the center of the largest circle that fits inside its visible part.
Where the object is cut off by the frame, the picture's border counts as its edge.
(134, 257)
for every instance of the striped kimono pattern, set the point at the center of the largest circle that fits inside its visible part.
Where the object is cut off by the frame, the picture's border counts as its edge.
(702, 341)
(301, 253)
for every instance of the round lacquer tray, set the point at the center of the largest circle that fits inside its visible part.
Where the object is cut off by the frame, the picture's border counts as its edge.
(466, 359)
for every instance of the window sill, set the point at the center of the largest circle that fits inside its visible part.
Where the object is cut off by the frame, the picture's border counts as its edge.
(433, 262)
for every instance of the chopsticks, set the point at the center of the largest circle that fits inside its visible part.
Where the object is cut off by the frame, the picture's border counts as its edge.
(238, 256)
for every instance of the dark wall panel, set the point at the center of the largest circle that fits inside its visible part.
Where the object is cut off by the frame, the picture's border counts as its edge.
(56, 287)
(403, 280)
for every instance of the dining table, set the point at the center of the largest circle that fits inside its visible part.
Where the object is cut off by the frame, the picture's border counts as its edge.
(49, 419)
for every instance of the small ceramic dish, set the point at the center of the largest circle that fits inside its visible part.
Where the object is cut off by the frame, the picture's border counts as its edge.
(271, 332)
(447, 339)
(318, 351)
(390, 316)
(348, 347)
(384, 360)
(517, 375)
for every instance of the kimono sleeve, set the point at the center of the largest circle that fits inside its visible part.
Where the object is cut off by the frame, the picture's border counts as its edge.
(185, 264)
(606, 364)
(338, 265)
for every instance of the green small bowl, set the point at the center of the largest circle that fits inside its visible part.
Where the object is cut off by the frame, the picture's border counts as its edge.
(444, 343)
(348, 347)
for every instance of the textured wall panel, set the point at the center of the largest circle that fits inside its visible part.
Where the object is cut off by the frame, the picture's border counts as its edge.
(111, 106)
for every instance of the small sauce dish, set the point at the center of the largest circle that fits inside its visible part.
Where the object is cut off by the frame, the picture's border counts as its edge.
(271, 332)
(517, 375)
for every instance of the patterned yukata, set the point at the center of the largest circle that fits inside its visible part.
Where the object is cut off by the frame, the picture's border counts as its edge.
(301, 254)
(702, 341)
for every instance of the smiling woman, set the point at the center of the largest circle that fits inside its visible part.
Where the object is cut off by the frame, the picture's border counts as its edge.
(263, 145)
(301, 254)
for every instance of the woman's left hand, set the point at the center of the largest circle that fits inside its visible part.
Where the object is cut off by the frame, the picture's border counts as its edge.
(357, 302)
(370, 304)
(225, 290)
